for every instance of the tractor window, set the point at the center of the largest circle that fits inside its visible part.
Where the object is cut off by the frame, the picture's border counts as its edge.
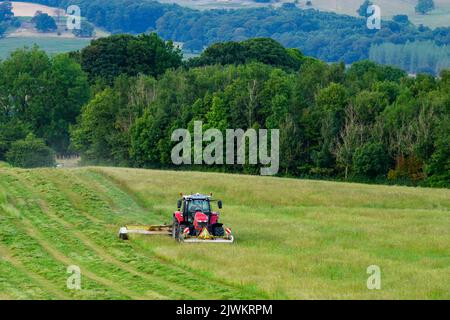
(198, 205)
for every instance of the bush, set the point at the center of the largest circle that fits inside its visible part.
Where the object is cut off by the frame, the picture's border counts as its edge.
(131, 55)
(370, 160)
(30, 152)
(86, 31)
(10, 132)
(44, 22)
(401, 18)
(424, 6)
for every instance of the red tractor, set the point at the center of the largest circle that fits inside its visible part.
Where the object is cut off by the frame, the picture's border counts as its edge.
(193, 222)
(196, 222)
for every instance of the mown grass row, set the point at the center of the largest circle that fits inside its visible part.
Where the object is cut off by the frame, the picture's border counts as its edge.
(37, 261)
(71, 217)
(200, 284)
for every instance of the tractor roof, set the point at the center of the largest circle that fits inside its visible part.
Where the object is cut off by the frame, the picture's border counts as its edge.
(196, 196)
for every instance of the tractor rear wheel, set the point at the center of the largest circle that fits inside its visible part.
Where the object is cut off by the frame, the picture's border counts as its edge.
(219, 231)
(175, 229)
(180, 233)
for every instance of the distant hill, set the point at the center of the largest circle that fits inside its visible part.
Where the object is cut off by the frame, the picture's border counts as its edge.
(325, 35)
(440, 17)
(25, 34)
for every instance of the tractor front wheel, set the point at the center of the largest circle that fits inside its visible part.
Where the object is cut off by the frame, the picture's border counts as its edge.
(219, 231)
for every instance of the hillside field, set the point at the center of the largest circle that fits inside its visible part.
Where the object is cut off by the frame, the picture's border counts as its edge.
(51, 45)
(27, 9)
(51, 42)
(440, 17)
(296, 239)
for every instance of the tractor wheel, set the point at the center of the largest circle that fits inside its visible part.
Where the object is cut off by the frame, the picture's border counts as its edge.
(219, 231)
(123, 236)
(175, 229)
(180, 233)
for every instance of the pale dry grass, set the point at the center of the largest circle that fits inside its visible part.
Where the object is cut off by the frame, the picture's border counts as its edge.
(26, 9)
(389, 8)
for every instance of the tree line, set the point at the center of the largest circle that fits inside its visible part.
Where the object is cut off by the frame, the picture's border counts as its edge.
(413, 57)
(328, 36)
(367, 122)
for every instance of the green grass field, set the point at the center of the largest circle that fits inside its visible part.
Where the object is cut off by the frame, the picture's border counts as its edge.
(295, 239)
(52, 45)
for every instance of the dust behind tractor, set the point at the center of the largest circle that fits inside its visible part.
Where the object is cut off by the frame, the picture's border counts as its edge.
(194, 221)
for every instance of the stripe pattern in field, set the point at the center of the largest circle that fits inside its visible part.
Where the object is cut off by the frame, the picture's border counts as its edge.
(51, 219)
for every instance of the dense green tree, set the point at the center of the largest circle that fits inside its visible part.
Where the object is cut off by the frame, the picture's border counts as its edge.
(331, 103)
(401, 18)
(10, 131)
(7, 17)
(424, 6)
(130, 55)
(68, 90)
(86, 30)
(30, 152)
(92, 136)
(368, 105)
(6, 13)
(362, 11)
(44, 22)
(439, 167)
(263, 50)
(370, 160)
(103, 133)
(42, 93)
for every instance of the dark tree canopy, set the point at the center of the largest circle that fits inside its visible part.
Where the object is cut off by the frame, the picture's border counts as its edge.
(110, 57)
(362, 11)
(86, 30)
(424, 6)
(401, 18)
(30, 152)
(6, 17)
(263, 50)
(42, 95)
(6, 13)
(44, 22)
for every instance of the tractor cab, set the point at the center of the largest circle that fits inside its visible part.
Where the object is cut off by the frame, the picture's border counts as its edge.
(189, 205)
(193, 206)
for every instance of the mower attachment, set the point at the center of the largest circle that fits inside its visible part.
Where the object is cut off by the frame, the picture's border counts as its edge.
(214, 240)
(151, 229)
(206, 237)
